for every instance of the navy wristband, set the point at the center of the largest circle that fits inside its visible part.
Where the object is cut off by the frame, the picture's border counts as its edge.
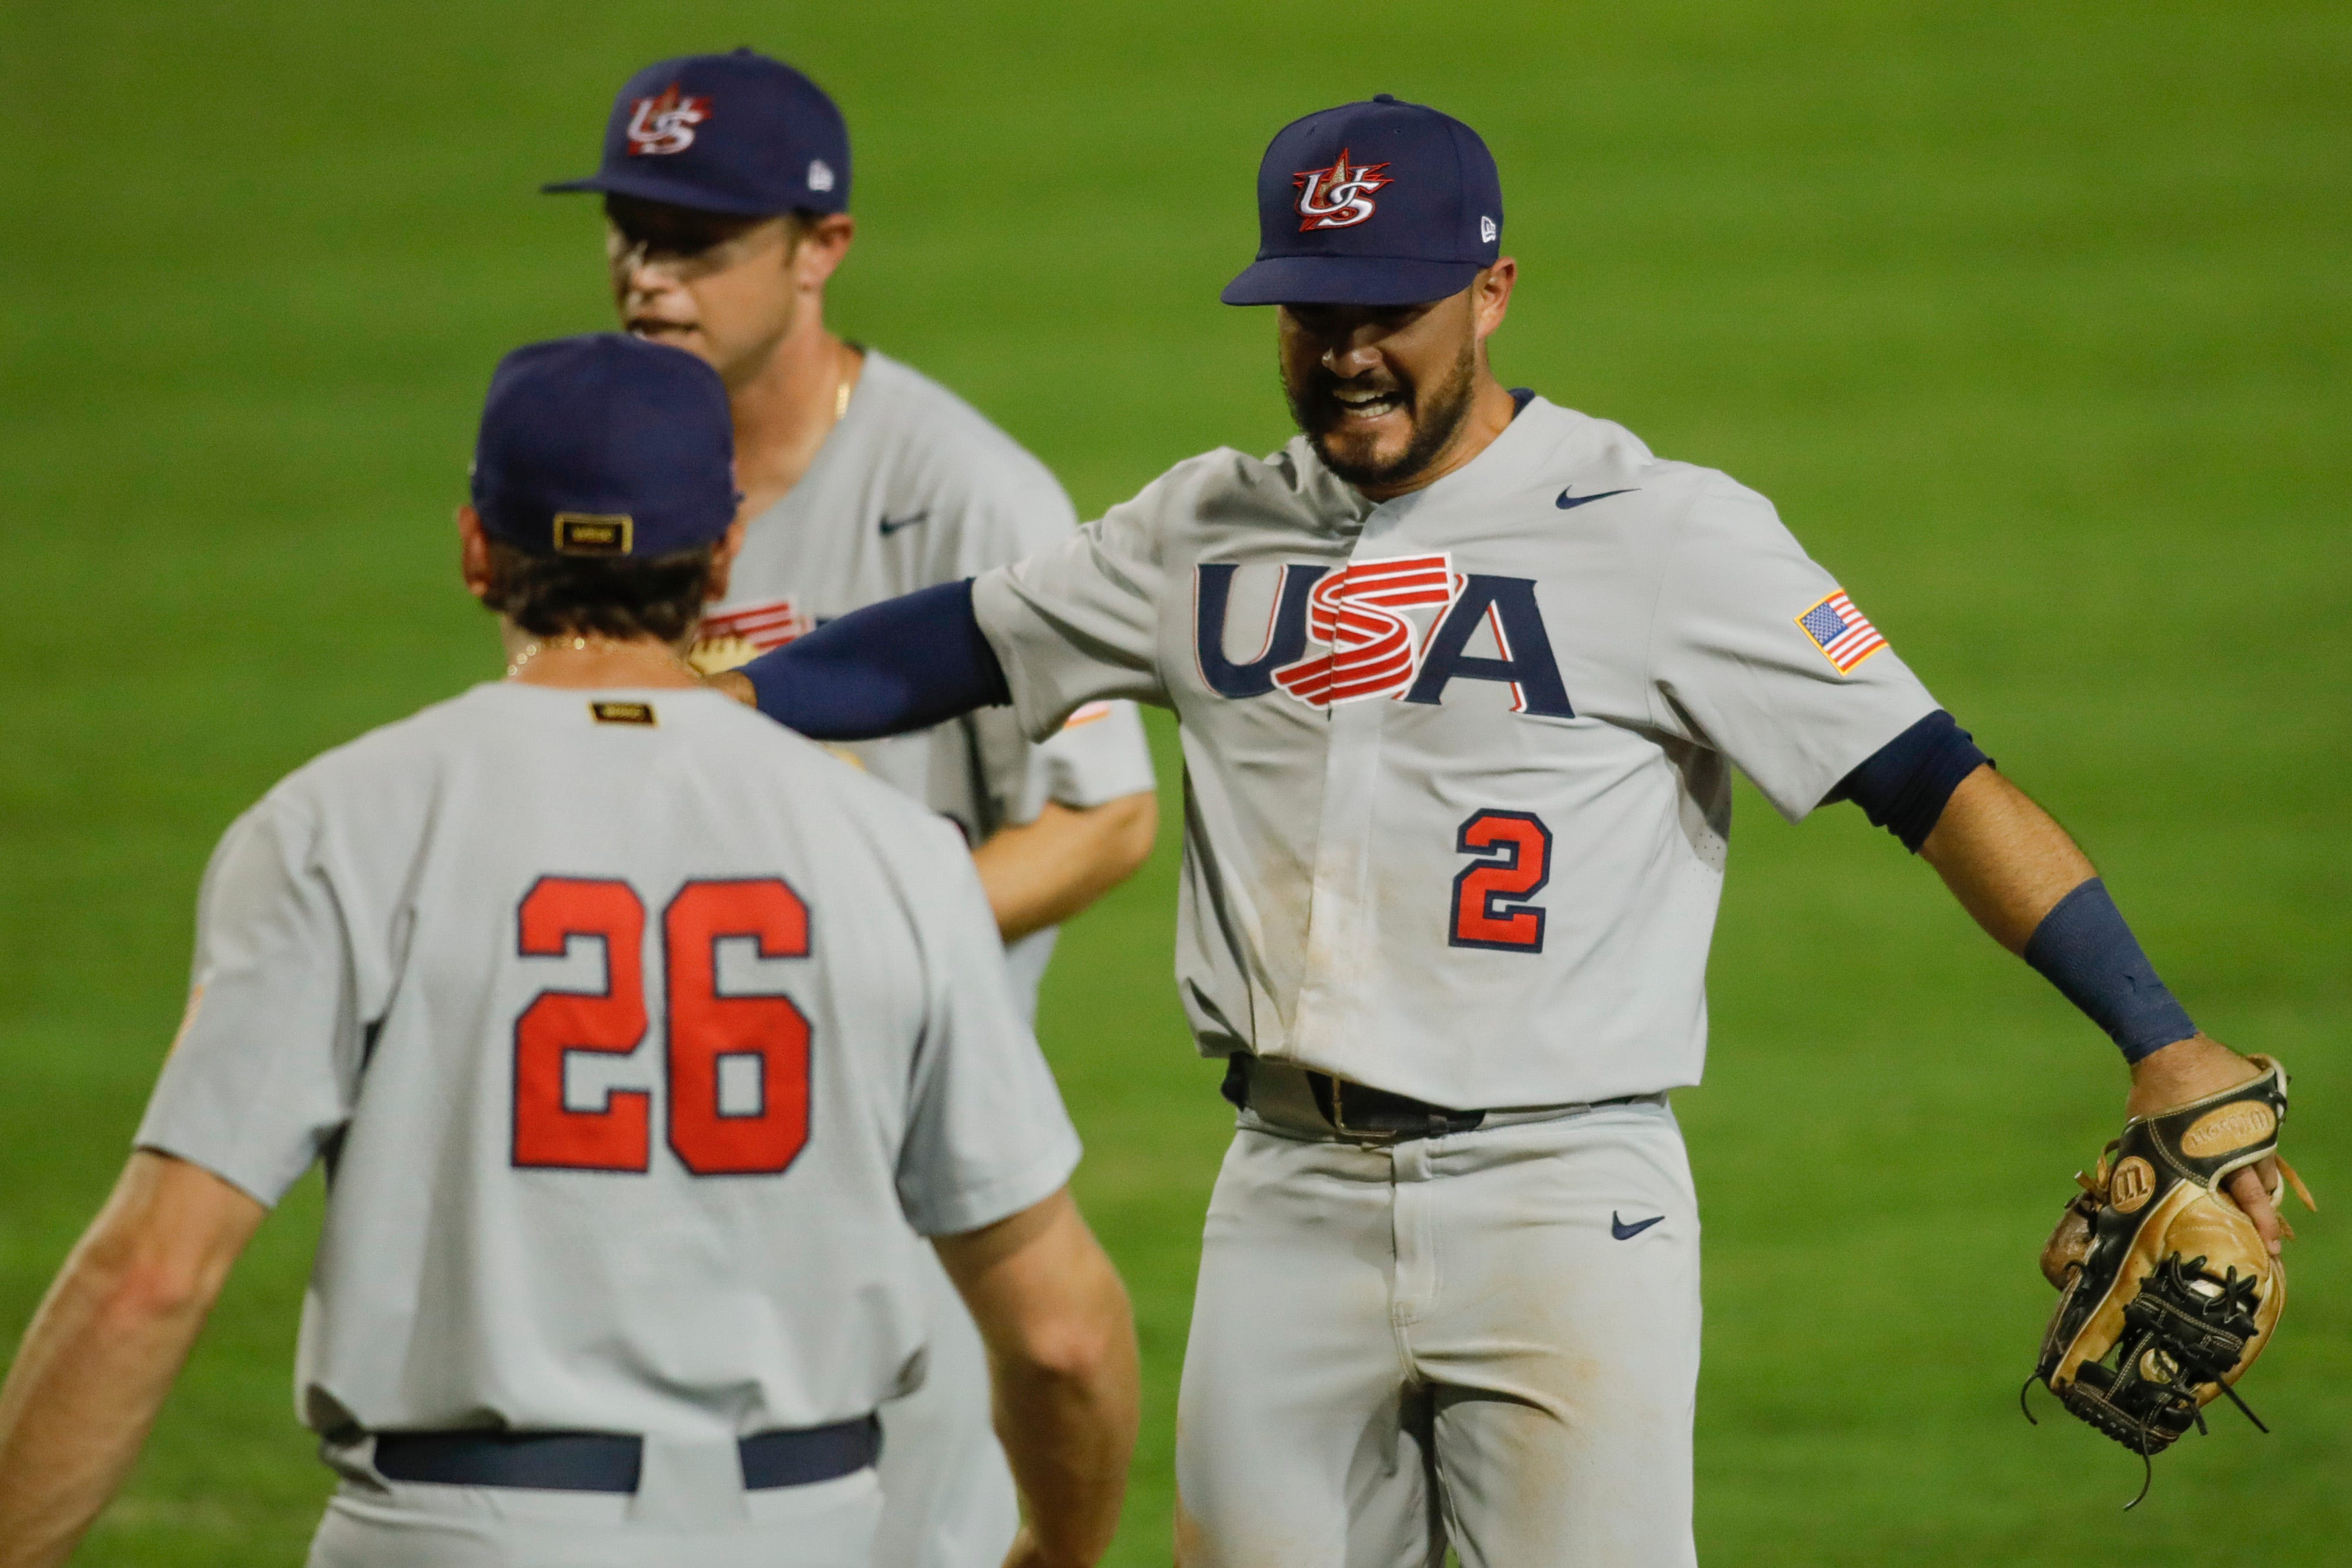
(2084, 947)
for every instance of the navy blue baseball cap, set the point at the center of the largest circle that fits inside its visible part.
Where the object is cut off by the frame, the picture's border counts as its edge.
(725, 133)
(605, 445)
(1373, 203)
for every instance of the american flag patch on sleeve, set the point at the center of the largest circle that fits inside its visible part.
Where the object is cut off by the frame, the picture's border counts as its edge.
(1843, 633)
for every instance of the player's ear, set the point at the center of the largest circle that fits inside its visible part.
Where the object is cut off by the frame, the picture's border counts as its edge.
(822, 246)
(1490, 295)
(722, 562)
(473, 552)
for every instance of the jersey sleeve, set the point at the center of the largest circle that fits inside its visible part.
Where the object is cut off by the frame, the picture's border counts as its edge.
(987, 1135)
(1755, 652)
(1008, 506)
(1098, 754)
(1079, 622)
(267, 1065)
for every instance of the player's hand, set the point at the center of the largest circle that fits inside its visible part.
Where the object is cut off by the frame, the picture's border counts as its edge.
(734, 683)
(2190, 1069)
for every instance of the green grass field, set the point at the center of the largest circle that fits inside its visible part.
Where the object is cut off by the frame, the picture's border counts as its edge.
(2035, 320)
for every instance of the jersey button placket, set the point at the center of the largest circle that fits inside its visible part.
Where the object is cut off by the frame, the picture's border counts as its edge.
(1341, 979)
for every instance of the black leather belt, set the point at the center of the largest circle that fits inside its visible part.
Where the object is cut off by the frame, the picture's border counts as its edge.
(1357, 1110)
(609, 1461)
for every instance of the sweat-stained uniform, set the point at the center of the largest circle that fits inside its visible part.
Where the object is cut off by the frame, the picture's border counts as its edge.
(639, 1038)
(1459, 786)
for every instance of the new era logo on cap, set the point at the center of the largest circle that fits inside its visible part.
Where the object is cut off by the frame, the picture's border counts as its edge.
(665, 123)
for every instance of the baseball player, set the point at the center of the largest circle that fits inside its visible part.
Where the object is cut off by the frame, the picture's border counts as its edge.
(726, 182)
(1462, 677)
(635, 1035)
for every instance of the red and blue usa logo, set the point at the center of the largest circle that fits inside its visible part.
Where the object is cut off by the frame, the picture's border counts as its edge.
(1403, 628)
(664, 123)
(1340, 196)
(1360, 615)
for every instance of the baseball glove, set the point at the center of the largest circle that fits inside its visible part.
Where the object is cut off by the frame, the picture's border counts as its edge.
(2170, 1292)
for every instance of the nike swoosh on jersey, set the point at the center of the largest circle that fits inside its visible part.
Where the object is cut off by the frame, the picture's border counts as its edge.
(1624, 1232)
(1566, 501)
(891, 525)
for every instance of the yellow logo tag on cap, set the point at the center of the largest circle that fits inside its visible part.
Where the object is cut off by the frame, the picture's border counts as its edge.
(593, 532)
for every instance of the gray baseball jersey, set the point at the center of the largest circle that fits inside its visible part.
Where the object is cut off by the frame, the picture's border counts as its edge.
(1458, 763)
(635, 1031)
(914, 487)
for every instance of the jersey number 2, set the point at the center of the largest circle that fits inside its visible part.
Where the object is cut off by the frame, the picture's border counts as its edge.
(1513, 862)
(706, 1030)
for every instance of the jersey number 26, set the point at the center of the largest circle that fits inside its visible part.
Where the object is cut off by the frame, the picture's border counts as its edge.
(768, 1035)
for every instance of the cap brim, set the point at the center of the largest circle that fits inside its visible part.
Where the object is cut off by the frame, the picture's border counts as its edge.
(651, 187)
(1347, 280)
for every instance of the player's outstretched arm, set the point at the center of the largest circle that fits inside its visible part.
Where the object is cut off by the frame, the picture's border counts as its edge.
(105, 1346)
(1061, 1351)
(2033, 890)
(900, 665)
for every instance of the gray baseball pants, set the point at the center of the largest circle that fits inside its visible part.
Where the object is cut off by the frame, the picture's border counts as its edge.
(1471, 1339)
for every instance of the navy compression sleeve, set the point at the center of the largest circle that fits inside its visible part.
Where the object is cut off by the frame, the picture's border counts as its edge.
(1904, 785)
(903, 664)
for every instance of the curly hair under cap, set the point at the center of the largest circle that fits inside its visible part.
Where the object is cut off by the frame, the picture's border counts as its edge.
(571, 595)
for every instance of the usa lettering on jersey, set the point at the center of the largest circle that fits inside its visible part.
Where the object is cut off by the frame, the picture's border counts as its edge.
(1345, 636)
(1358, 614)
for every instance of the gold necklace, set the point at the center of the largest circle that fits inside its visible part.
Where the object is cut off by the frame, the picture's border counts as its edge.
(532, 649)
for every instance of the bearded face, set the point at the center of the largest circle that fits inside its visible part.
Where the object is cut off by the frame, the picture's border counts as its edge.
(1381, 392)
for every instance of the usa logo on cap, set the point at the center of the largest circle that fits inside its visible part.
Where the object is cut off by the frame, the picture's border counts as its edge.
(665, 124)
(1340, 196)
(1428, 177)
(780, 144)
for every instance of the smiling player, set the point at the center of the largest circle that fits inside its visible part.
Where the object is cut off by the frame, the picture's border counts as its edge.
(1462, 676)
(726, 181)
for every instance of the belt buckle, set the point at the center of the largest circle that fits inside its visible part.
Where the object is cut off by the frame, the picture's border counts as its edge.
(1331, 1098)
(1430, 1120)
